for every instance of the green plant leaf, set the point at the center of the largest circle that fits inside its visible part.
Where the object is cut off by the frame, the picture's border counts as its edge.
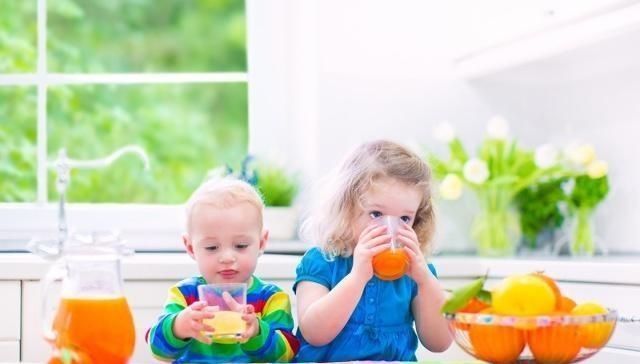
(461, 296)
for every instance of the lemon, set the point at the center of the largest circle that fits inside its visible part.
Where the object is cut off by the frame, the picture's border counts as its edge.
(523, 295)
(592, 335)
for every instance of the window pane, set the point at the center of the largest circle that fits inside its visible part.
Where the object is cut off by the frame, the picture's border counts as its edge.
(18, 157)
(18, 36)
(186, 130)
(146, 36)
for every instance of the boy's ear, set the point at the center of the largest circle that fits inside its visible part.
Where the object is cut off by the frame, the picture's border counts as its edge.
(263, 240)
(188, 245)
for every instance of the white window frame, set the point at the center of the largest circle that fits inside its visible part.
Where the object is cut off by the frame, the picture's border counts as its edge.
(145, 226)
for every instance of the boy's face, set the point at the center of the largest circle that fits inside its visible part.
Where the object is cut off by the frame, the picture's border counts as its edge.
(226, 242)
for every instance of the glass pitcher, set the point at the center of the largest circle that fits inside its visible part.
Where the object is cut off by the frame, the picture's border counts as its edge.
(88, 320)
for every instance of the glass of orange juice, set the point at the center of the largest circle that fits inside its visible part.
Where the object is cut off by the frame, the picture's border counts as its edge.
(392, 263)
(230, 300)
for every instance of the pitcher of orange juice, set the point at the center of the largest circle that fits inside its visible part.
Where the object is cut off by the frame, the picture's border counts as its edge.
(88, 319)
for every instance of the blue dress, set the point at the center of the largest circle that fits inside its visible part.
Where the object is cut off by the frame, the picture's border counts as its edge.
(381, 326)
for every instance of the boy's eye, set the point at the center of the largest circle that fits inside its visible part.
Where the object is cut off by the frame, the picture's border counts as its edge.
(211, 248)
(242, 246)
(375, 214)
(405, 219)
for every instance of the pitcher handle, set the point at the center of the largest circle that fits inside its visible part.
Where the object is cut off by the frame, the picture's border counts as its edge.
(49, 303)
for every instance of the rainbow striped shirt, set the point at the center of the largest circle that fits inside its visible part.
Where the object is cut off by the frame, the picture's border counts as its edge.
(274, 343)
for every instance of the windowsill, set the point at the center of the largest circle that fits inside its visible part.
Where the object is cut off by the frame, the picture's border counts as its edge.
(177, 265)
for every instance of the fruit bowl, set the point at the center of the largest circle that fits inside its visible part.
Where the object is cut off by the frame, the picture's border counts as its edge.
(558, 338)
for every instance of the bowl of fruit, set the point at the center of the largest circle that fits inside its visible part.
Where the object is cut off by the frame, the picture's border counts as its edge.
(526, 319)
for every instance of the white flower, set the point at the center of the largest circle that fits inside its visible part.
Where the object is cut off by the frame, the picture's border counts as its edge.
(475, 171)
(546, 156)
(498, 128)
(597, 169)
(444, 132)
(451, 187)
(581, 154)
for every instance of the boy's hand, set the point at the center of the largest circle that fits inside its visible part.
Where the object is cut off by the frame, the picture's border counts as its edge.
(253, 326)
(188, 323)
(372, 241)
(248, 315)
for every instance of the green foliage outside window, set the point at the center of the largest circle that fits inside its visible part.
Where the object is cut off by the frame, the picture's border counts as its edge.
(186, 129)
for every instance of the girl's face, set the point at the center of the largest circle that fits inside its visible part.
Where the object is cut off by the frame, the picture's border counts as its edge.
(387, 197)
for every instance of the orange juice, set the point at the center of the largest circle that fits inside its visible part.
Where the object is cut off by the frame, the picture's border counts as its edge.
(226, 324)
(390, 264)
(96, 330)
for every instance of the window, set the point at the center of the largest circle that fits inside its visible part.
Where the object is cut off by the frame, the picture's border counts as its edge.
(93, 76)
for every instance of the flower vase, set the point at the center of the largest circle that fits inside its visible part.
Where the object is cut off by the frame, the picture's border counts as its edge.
(582, 240)
(496, 229)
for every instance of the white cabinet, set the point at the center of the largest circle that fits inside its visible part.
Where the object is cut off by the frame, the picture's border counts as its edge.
(499, 34)
(10, 318)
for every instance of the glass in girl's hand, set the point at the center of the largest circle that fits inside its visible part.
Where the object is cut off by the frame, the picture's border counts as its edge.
(392, 263)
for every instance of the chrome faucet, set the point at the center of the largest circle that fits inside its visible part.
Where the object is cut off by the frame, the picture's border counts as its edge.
(63, 166)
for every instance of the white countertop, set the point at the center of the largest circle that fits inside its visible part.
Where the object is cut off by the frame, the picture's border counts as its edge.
(160, 266)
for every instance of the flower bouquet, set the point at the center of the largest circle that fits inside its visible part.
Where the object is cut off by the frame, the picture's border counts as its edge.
(499, 171)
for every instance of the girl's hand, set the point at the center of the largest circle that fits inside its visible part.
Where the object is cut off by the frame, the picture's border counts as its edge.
(188, 323)
(418, 269)
(371, 242)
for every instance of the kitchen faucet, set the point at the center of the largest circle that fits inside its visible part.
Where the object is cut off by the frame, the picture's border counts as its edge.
(63, 165)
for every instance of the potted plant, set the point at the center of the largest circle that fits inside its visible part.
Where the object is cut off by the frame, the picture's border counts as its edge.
(278, 188)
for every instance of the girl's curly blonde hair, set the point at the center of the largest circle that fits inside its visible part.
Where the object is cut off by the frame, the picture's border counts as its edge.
(331, 220)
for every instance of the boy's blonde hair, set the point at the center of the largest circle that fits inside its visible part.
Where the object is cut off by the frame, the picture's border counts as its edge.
(330, 223)
(223, 193)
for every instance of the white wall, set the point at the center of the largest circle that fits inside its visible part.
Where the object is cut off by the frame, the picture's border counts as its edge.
(344, 71)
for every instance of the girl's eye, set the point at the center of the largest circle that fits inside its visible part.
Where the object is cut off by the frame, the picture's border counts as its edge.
(405, 219)
(375, 214)
(242, 246)
(211, 248)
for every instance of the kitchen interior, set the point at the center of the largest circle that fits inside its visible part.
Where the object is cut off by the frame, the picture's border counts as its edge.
(557, 79)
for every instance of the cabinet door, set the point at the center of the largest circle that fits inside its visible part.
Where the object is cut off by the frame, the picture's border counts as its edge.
(10, 318)
(9, 351)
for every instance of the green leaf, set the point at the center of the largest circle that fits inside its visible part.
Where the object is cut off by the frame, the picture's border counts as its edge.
(484, 296)
(589, 192)
(461, 296)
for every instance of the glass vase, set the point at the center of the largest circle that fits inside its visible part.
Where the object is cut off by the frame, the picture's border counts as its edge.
(496, 229)
(582, 239)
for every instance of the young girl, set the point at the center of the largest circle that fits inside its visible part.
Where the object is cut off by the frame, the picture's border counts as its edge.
(345, 312)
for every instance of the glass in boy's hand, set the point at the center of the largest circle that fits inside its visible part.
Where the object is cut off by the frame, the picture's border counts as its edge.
(392, 263)
(229, 300)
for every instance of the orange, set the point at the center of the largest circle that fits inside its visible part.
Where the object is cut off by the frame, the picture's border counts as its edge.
(473, 306)
(566, 304)
(390, 264)
(523, 295)
(496, 344)
(553, 285)
(593, 335)
(555, 343)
